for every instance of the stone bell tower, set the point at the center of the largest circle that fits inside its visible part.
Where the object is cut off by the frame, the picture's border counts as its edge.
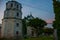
(12, 21)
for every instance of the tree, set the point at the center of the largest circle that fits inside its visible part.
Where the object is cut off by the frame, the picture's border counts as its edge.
(24, 22)
(56, 24)
(38, 24)
(24, 28)
(48, 31)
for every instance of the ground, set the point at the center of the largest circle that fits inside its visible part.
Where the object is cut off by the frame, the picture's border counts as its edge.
(41, 38)
(34, 38)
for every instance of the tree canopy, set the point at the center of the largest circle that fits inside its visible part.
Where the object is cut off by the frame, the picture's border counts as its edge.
(56, 24)
(36, 22)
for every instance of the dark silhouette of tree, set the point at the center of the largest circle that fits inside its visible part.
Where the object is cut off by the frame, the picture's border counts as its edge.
(48, 31)
(24, 28)
(24, 22)
(56, 24)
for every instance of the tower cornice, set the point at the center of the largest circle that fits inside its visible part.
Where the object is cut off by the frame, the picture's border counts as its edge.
(11, 18)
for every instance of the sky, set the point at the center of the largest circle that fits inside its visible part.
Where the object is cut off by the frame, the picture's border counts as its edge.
(38, 8)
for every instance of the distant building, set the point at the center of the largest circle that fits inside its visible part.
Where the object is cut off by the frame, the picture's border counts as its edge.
(12, 21)
(31, 31)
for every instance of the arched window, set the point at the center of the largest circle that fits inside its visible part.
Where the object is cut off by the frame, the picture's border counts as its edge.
(11, 5)
(17, 32)
(17, 6)
(17, 14)
(17, 24)
(0, 27)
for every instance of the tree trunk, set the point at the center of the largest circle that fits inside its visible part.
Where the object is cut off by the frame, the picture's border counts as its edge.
(58, 34)
(55, 34)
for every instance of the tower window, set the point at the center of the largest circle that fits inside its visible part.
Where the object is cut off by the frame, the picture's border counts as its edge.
(17, 32)
(0, 27)
(17, 24)
(17, 6)
(17, 14)
(11, 5)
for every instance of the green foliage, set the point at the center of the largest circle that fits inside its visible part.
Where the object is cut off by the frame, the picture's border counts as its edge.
(56, 23)
(56, 5)
(36, 22)
(49, 31)
(24, 28)
(41, 38)
(33, 38)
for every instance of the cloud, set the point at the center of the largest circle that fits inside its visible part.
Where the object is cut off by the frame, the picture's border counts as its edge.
(50, 21)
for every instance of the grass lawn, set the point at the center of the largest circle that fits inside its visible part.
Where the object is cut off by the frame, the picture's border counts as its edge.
(34, 38)
(41, 38)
